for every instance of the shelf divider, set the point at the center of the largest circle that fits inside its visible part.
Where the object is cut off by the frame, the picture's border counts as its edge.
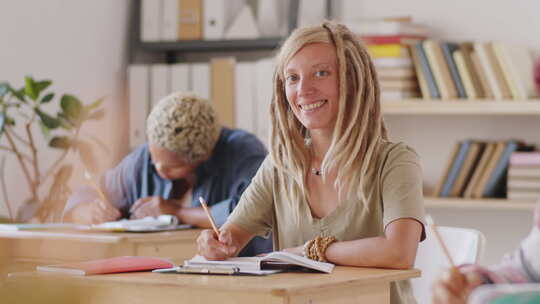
(483, 204)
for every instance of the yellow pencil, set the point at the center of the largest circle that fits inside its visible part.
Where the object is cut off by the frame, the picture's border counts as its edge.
(207, 211)
(433, 227)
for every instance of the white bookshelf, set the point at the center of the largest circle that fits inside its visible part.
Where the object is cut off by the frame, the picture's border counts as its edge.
(461, 107)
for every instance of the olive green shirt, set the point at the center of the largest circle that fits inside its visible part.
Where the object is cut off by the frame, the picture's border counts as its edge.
(395, 193)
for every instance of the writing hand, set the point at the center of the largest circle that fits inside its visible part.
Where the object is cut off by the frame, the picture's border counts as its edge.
(153, 206)
(93, 212)
(454, 287)
(214, 247)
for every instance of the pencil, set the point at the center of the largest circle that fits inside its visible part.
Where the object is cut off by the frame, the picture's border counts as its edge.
(433, 227)
(207, 211)
(90, 178)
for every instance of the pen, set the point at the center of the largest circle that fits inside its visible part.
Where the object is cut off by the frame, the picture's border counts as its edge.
(207, 211)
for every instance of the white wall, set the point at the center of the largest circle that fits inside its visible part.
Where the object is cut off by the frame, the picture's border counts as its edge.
(81, 46)
(434, 136)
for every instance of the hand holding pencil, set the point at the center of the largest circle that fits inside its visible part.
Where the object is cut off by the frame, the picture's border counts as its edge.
(453, 287)
(214, 244)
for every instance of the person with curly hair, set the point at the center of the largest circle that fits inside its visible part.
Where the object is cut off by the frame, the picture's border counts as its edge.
(188, 155)
(333, 188)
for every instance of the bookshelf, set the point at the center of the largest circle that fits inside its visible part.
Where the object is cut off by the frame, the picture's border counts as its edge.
(479, 204)
(461, 107)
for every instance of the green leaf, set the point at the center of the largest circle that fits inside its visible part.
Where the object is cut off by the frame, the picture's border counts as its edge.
(97, 115)
(42, 85)
(19, 94)
(71, 106)
(48, 120)
(10, 121)
(31, 89)
(60, 142)
(47, 98)
(87, 156)
(94, 105)
(4, 89)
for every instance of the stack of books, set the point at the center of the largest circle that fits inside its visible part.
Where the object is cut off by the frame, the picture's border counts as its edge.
(473, 70)
(524, 176)
(388, 43)
(478, 169)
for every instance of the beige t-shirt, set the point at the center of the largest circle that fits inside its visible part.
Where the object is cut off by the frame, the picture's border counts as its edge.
(395, 193)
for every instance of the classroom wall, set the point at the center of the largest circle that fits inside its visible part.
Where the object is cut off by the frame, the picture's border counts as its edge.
(434, 136)
(82, 47)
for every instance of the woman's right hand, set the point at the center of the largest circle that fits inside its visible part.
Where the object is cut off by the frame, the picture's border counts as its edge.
(216, 247)
(454, 287)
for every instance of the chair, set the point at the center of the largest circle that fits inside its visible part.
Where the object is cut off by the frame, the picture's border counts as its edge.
(465, 246)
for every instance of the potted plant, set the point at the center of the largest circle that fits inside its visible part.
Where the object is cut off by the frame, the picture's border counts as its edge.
(21, 112)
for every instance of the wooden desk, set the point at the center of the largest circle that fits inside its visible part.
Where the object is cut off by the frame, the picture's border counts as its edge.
(24, 249)
(344, 285)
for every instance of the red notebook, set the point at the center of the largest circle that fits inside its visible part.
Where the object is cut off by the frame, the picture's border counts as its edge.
(111, 265)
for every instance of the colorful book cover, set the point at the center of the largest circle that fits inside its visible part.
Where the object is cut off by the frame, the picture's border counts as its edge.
(428, 74)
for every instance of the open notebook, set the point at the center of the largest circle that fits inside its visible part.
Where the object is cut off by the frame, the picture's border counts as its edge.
(271, 263)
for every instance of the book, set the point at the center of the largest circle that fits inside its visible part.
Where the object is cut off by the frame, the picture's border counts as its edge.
(426, 70)
(398, 84)
(485, 86)
(525, 159)
(159, 83)
(450, 162)
(479, 169)
(393, 73)
(387, 50)
(464, 72)
(478, 192)
(163, 222)
(150, 20)
(440, 69)
(422, 83)
(110, 265)
(466, 170)
(496, 178)
(218, 16)
(517, 63)
(523, 172)
(466, 49)
(244, 26)
(523, 195)
(245, 112)
(455, 168)
(448, 49)
(253, 265)
(391, 39)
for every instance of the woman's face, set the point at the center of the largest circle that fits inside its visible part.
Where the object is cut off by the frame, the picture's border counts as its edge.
(312, 86)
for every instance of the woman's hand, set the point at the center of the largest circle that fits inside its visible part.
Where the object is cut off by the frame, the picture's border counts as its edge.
(454, 287)
(214, 247)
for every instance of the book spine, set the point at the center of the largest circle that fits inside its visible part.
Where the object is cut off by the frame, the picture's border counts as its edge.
(428, 74)
(496, 177)
(448, 48)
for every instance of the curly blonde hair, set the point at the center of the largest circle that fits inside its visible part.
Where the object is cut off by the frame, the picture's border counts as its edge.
(359, 130)
(185, 124)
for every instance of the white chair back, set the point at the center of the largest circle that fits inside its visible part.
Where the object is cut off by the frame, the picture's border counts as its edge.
(465, 246)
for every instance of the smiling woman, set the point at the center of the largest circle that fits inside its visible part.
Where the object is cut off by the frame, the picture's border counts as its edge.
(334, 188)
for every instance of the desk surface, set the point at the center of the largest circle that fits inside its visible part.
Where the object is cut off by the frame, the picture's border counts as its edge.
(26, 249)
(344, 285)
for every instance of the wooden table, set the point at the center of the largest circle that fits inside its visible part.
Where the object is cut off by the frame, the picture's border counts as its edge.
(23, 250)
(344, 285)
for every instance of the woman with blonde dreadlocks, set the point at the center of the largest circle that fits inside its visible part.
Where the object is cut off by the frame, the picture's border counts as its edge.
(333, 188)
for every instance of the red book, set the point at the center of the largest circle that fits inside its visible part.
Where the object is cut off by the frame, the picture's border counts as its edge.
(111, 265)
(401, 39)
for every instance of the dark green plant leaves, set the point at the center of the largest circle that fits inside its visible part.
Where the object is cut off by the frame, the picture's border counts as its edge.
(48, 120)
(47, 98)
(72, 107)
(42, 85)
(19, 94)
(60, 142)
